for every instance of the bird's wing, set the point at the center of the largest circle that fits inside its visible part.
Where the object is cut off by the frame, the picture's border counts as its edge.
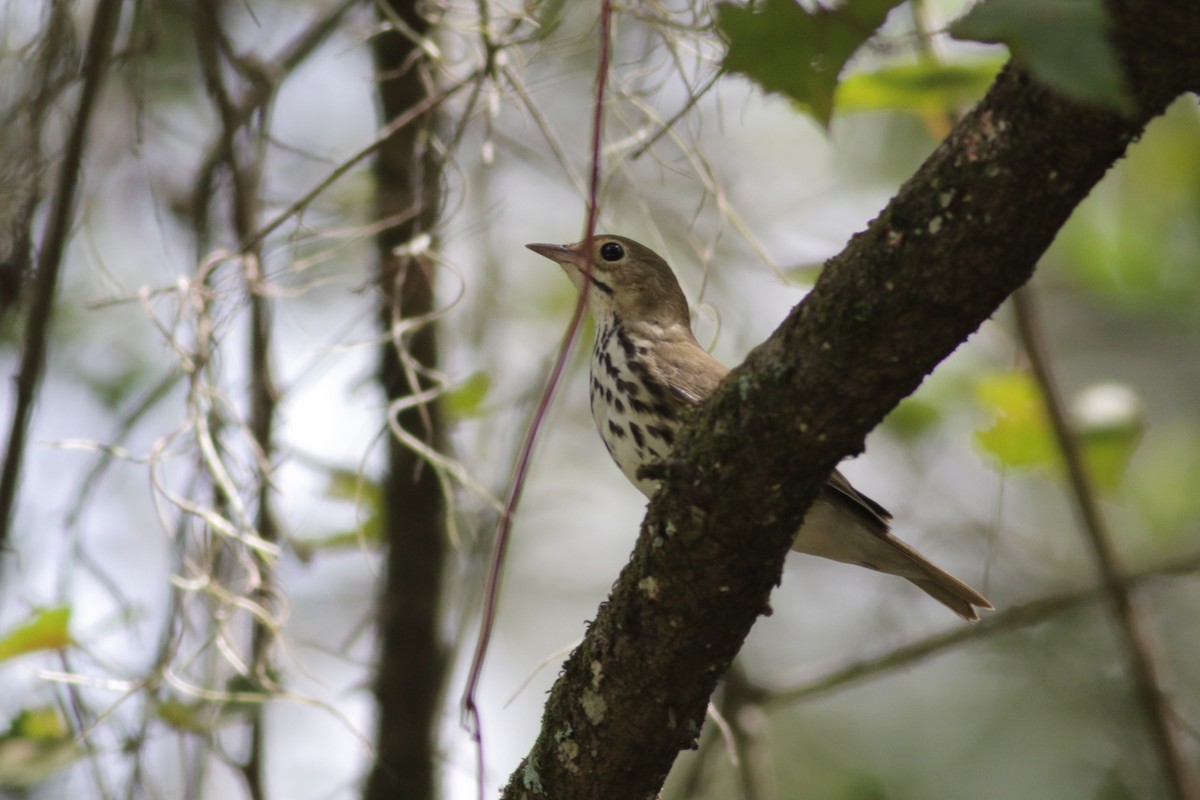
(849, 497)
(689, 373)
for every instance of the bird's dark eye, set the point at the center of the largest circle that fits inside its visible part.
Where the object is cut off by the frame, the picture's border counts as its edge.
(611, 251)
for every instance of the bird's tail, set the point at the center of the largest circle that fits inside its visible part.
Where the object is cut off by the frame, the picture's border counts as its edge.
(937, 583)
(843, 527)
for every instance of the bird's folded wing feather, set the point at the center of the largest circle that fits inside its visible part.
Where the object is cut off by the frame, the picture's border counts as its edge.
(852, 499)
(690, 374)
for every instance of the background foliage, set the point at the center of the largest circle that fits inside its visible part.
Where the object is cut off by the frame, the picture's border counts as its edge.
(125, 622)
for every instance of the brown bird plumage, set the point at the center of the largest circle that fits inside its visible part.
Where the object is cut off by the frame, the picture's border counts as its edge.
(647, 367)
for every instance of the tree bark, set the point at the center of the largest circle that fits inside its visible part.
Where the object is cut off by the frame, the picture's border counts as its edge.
(960, 236)
(412, 658)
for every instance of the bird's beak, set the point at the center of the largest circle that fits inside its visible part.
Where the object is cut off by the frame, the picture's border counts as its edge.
(558, 253)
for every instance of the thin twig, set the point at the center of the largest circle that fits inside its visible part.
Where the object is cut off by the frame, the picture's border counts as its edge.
(1138, 641)
(546, 129)
(260, 91)
(504, 527)
(1011, 619)
(95, 66)
(742, 704)
(693, 99)
(58, 225)
(244, 171)
(403, 120)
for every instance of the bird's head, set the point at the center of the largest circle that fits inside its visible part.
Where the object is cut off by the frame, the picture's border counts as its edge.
(628, 280)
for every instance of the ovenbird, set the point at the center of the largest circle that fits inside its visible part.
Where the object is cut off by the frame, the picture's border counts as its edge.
(647, 367)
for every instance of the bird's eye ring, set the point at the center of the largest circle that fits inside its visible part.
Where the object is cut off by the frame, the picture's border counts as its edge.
(611, 251)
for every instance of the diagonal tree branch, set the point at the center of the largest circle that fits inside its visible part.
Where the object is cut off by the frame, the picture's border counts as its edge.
(961, 235)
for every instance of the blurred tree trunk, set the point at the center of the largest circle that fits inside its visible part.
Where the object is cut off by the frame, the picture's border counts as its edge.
(412, 659)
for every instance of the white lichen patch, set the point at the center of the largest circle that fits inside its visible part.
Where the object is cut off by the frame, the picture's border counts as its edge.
(935, 225)
(597, 674)
(530, 776)
(568, 751)
(594, 706)
(649, 587)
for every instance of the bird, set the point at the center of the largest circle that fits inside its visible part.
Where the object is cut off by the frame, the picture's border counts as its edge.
(647, 369)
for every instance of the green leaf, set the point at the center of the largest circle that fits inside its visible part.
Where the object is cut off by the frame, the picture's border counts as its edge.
(251, 693)
(797, 53)
(197, 717)
(1064, 44)
(466, 401)
(1020, 434)
(368, 536)
(345, 484)
(913, 418)
(1114, 787)
(1133, 243)
(48, 630)
(1109, 422)
(1107, 419)
(38, 744)
(39, 723)
(925, 87)
(206, 716)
